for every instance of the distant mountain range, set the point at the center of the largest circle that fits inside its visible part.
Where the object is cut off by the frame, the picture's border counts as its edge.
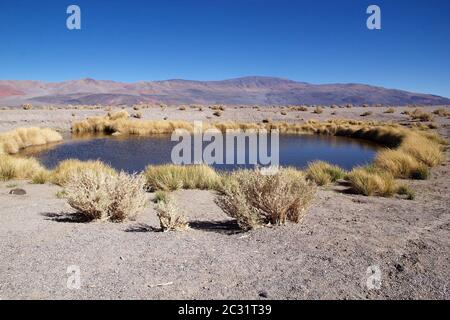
(242, 91)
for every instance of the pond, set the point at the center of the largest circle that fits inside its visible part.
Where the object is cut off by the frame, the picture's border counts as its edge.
(134, 153)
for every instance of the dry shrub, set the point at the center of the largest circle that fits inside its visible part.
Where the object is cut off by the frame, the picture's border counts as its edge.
(172, 177)
(217, 113)
(255, 199)
(367, 113)
(371, 182)
(19, 168)
(421, 115)
(67, 168)
(390, 110)
(283, 113)
(137, 115)
(182, 108)
(12, 141)
(98, 195)
(169, 217)
(323, 173)
(27, 106)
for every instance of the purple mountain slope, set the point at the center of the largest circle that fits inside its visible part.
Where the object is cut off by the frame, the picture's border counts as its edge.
(247, 90)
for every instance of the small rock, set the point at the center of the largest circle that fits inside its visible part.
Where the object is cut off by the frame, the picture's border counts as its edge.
(18, 192)
(263, 294)
(399, 267)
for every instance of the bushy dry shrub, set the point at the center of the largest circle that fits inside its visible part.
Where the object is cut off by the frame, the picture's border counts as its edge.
(255, 199)
(323, 173)
(169, 216)
(390, 110)
(367, 113)
(98, 195)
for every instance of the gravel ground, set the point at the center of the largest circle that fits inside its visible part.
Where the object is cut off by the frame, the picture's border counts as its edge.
(325, 257)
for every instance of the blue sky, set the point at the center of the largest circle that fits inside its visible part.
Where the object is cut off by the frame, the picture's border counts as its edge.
(313, 41)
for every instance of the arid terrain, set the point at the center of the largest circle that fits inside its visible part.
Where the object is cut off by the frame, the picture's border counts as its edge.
(325, 257)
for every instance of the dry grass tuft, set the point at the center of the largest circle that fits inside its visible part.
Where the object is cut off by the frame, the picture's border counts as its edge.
(11, 142)
(173, 177)
(255, 199)
(98, 195)
(441, 112)
(67, 168)
(318, 110)
(19, 168)
(371, 182)
(323, 173)
(421, 115)
(401, 164)
(169, 217)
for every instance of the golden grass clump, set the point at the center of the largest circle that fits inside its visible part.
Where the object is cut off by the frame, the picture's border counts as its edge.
(401, 164)
(99, 195)
(318, 110)
(169, 217)
(11, 142)
(371, 182)
(425, 148)
(323, 173)
(255, 199)
(173, 177)
(67, 168)
(122, 114)
(421, 115)
(441, 112)
(20, 168)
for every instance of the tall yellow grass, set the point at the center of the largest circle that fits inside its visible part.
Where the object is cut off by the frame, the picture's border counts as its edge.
(67, 168)
(172, 177)
(12, 167)
(11, 142)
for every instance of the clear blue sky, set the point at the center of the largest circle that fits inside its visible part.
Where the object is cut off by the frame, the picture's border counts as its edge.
(314, 41)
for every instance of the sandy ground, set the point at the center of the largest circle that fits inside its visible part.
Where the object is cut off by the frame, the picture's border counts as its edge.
(327, 256)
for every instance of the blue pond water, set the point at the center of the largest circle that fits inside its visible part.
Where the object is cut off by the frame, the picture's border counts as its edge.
(133, 153)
